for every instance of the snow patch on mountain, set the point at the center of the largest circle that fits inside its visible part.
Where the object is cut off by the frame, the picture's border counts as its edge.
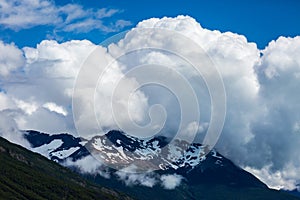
(64, 153)
(46, 149)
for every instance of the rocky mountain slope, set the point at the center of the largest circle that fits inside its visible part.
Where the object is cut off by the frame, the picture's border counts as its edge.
(28, 175)
(204, 175)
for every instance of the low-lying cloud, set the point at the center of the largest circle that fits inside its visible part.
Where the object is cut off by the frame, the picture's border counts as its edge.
(129, 176)
(171, 181)
(143, 179)
(88, 165)
(148, 179)
(9, 130)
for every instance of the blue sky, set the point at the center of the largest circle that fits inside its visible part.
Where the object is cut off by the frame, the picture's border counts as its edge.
(259, 21)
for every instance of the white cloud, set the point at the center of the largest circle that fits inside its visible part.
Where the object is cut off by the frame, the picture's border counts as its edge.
(121, 23)
(171, 181)
(47, 77)
(55, 108)
(233, 55)
(148, 179)
(23, 14)
(130, 177)
(89, 165)
(11, 59)
(104, 12)
(18, 14)
(10, 131)
(6, 102)
(27, 107)
(275, 138)
(276, 179)
(262, 102)
(143, 179)
(43, 88)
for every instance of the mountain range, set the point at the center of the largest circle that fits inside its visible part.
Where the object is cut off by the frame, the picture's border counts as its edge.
(198, 174)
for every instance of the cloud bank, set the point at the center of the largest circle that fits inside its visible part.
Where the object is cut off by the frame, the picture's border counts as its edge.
(262, 127)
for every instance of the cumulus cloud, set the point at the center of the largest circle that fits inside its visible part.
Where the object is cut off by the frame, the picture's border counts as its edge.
(261, 131)
(276, 136)
(25, 14)
(262, 109)
(11, 59)
(42, 88)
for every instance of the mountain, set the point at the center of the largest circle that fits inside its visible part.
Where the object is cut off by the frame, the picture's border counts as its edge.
(57, 147)
(27, 175)
(203, 175)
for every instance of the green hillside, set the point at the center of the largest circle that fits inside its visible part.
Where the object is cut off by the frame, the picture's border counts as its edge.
(27, 175)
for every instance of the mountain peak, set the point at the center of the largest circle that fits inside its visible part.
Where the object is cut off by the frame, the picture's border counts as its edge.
(121, 150)
(131, 143)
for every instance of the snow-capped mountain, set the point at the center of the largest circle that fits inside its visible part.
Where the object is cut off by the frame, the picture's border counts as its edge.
(202, 174)
(57, 147)
(188, 172)
(119, 150)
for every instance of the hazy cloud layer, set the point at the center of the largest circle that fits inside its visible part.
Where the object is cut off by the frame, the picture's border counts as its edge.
(262, 127)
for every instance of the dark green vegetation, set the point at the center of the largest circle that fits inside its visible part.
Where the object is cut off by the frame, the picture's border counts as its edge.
(199, 191)
(27, 175)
